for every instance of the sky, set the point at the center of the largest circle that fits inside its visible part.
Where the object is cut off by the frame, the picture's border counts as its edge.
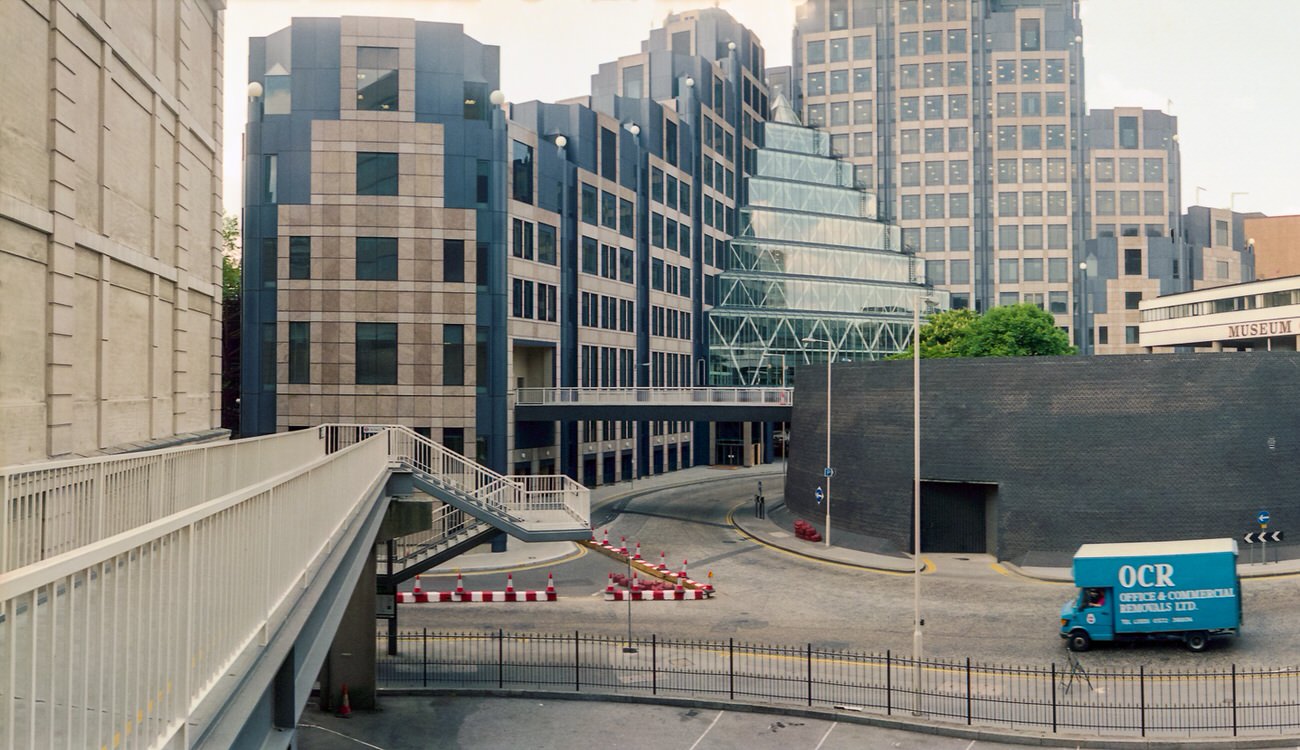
(1226, 68)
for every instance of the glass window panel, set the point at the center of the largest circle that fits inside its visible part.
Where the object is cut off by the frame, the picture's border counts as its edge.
(1031, 104)
(1006, 71)
(909, 76)
(956, 41)
(376, 173)
(909, 141)
(959, 205)
(816, 84)
(1058, 270)
(1054, 103)
(817, 115)
(911, 207)
(957, 74)
(1033, 269)
(1153, 203)
(932, 75)
(934, 272)
(1006, 105)
(839, 113)
(934, 140)
(1008, 204)
(839, 49)
(959, 271)
(816, 52)
(1007, 170)
(839, 82)
(1056, 203)
(958, 172)
(377, 78)
(909, 108)
(862, 144)
(1056, 169)
(956, 106)
(1054, 71)
(1055, 137)
(907, 43)
(934, 174)
(862, 79)
(1008, 270)
(910, 174)
(1153, 170)
(932, 42)
(1128, 202)
(861, 48)
(1104, 170)
(1128, 170)
(1031, 170)
(957, 139)
(1057, 236)
(377, 258)
(1033, 237)
(1031, 137)
(934, 210)
(1007, 137)
(958, 239)
(862, 114)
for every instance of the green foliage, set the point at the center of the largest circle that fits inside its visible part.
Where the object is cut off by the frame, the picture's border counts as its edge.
(1022, 330)
(230, 275)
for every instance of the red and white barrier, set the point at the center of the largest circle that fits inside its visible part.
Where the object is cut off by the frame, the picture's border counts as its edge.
(417, 596)
(622, 595)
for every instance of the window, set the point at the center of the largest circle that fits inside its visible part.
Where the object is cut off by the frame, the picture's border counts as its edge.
(861, 48)
(907, 11)
(839, 113)
(910, 207)
(269, 177)
(1055, 136)
(1008, 204)
(1058, 270)
(957, 140)
(907, 44)
(608, 154)
(626, 267)
(934, 272)
(862, 112)
(1221, 268)
(521, 171)
(934, 107)
(862, 176)
(1007, 170)
(934, 235)
(1128, 170)
(1131, 300)
(608, 210)
(1104, 170)
(453, 260)
(816, 115)
(657, 229)
(933, 140)
(632, 81)
(909, 142)
(300, 257)
(277, 95)
(1009, 237)
(1031, 203)
(1103, 334)
(956, 41)
(1007, 137)
(957, 10)
(590, 204)
(522, 239)
(1033, 237)
(1054, 71)
(959, 272)
(840, 144)
(1031, 137)
(839, 15)
(909, 108)
(958, 239)
(1220, 232)
(1033, 269)
(1006, 299)
(299, 353)
(1031, 170)
(1128, 132)
(862, 144)
(1006, 105)
(1153, 203)
(932, 74)
(1057, 236)
(1132, 261)
(932, 42)
(1057, 302)
(816, 84)
(1153, 170)
(1056, 203)
(1054, 103)
(376, 353)
(626, 221)
(377, 78)
(1128, 202)
(1030, 35)
(959, 205)
(1008, 270)
(839, 49)
(482, 176)
(1031, 104)
(376, 173)
(453, 354)
(816, 52)
(910, 174)
(839, 82)
(657, 274)
(909, 76)
(546, 243)
(377, 258)
(1130, 334)
(934, 176)
(956, 106)
(958, 172)
(1006, 71)
(862, 79)
(956, 74)
(590, 256)
(931, 11)
(1056, 169)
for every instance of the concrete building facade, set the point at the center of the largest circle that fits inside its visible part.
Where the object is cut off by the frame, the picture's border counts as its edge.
(1276, 240)
(110, 213)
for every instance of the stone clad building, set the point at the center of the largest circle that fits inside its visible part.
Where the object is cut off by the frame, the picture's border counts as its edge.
(110, 272)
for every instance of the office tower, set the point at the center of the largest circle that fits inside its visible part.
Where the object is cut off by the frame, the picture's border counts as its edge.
(417, 249)
(965, 117)
(810, 262)
(110, 213)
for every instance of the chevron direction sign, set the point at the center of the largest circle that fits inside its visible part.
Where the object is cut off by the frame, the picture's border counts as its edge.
(1252, 537)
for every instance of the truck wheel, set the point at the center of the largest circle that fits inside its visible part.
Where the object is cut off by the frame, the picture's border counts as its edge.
(1079, 641)
(1196, 641)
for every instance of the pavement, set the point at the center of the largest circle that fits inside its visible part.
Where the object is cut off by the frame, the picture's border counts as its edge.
(776, 529)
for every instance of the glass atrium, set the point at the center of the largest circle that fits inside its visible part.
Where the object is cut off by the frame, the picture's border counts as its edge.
(810, 262)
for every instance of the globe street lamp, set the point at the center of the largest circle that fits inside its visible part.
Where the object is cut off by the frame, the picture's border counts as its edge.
(917, 622)
(827, 472)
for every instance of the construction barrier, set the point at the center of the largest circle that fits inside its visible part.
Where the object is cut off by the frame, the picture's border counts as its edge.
(419, 596)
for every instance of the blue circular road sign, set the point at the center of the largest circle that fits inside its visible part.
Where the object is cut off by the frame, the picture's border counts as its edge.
(1263, 517)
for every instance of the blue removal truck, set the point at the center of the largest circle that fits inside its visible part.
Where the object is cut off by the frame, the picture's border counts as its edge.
(1182, 590)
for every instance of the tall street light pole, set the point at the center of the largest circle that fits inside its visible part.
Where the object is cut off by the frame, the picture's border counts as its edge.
(1085, 336)
(827, 473)
(917, 622)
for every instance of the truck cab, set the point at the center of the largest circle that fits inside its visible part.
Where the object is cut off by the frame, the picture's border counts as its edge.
(1088, 617)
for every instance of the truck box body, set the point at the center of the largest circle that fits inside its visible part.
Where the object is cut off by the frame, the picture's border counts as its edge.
(1155, 589)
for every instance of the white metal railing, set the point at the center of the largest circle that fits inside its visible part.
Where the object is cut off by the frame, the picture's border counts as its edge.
(448, 523)
(654, 396)
(56, 507)
(115, 643)
(524, 501)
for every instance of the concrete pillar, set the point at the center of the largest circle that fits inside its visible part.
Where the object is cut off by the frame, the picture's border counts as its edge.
(747, 439)
(351, 658)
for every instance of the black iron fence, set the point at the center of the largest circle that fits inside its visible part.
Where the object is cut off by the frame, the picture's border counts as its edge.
(1057, 697)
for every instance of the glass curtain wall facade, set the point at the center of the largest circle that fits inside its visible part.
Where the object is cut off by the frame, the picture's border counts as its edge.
(810, 261)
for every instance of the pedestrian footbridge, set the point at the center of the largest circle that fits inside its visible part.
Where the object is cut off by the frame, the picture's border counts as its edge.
(689, 404)
(187, 597)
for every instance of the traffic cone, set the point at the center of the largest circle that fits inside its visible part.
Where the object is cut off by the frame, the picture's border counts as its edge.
(417, 585)
(663, 561)
(460, 588)
(604, 542)
(550, 583)
(609, 587)
(510, 583)
(638, 551)
(622, 546)
(345, 706)
(709, 586)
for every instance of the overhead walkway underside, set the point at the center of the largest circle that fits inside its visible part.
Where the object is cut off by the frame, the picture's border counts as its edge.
(186, 597)
(649, 404)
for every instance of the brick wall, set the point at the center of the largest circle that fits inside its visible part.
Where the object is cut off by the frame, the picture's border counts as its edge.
(1121, 448)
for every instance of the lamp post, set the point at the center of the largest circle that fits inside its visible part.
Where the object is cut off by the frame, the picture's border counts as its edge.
(1085, 339)
(917, 622)
(829, 357)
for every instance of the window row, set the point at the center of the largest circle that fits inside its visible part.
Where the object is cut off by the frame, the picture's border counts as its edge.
(376, 259)
(1031, 203)
(667, 233)
(666, 189)
(606, 367)
(1131, 203)
(837, 50)
(602, 208)
(909, 12)
(837, 82)
(376, 353)
(911, 140)
(521, 242)
(1032, 137)
(1131, 230)
(665, 277)
(670, 323)
(1031, 104)
(669, 370)
(1030, 170)
(716, 137)
(931, 75)
(1153, 170)
(912, 108)
(609, 313)
(522, 297)
(1051, 70)
(913, 43)
(616, 263)
(718, 216)
(718, 177)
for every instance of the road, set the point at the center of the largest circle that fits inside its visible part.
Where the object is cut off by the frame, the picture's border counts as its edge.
(971, 606)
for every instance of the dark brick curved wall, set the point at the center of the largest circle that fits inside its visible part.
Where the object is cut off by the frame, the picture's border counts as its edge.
(1081, 449)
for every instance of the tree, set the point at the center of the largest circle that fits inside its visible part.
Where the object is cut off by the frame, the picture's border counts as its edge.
(1022, 330)
(231, 301)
